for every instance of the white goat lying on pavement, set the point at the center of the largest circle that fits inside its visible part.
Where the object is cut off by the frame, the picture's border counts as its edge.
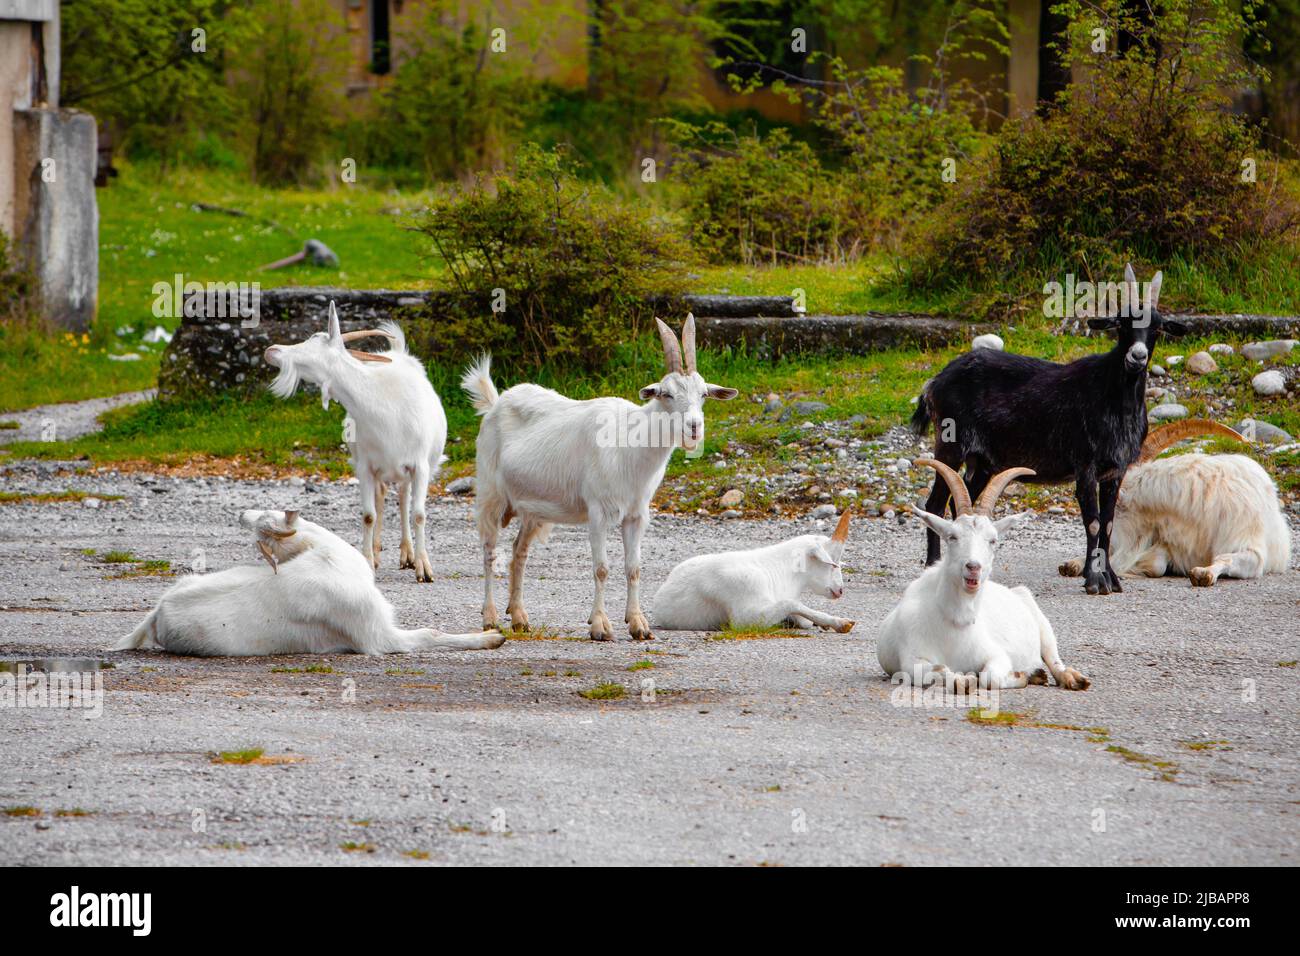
(954, 623)
(758, 588)
(400, 425)
(1196, 515)
(317, 596)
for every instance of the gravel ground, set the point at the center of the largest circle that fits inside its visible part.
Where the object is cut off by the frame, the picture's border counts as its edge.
(67, 420)
(785, 751)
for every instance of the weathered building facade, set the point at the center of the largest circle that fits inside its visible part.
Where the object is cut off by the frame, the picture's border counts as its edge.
(47, 167)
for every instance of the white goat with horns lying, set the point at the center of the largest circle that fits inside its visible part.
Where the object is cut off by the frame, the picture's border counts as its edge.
(315, 595)
(756, 588)
(1196, 515)
(956, 625)
(400, 427)
(552, 460)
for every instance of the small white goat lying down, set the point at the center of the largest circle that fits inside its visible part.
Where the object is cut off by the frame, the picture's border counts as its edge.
(758, 588)
(1196, 515)
(315, 595)
(400, 425)
(957, 626)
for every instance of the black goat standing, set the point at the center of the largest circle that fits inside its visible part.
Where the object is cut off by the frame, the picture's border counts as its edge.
(1084, 420)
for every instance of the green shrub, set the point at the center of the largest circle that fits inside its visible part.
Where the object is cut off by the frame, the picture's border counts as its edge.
(452, 107)
(751, 198)
(1140, 159)
(18, 291)
(288, 86)
(549, 268)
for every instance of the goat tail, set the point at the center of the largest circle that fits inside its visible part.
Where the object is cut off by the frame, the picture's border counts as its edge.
(396, 337)
(921, 417)
(477, 383)
(137, 638)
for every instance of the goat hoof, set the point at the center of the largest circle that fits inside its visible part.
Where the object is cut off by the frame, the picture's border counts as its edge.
(639, 627)
(1071, 679)
(423, 569)
(600, 629)
(518, 620)
(491, 620)
(1200, 578)
(843, 627)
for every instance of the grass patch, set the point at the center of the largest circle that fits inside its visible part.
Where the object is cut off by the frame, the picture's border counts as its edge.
(416, 854)
(1164, 769)
(73, 812)
(47, 497)
(9, 425)
(1286, 663)
(641, 666)
(240, 756)
(22, 811)
(730, 633)
(606, 690)
(350, 846)
(1199, 745)
(309, 669)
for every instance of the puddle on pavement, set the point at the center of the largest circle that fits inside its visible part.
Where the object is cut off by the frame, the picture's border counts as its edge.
(50, 665)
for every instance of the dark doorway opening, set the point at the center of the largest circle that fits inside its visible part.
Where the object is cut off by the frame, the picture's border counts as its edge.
(380, 48)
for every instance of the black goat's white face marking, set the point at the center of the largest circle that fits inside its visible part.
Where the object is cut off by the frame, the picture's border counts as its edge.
(1137, 355)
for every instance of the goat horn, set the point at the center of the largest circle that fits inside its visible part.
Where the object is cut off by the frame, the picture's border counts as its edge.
(688, 342)
(280, 534)
(368, 356)
(365, 333)
(842, 529)
(993, 490)
(269, 555)
(1166, 435)
(956, 487)
(672, 351)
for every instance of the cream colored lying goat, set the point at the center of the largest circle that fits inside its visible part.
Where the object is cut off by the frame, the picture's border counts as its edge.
(1197, 515)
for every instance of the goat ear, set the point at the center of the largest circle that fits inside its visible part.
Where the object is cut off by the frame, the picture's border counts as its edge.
(1153, 291)
(649, 392)
(721, 392)
(818, 552)
(336, 336)
(940, 526)
(1098, 325)
(1175, 329)
(1010, 522)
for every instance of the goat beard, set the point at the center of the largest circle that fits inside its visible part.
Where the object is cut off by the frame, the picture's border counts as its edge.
(286, 381)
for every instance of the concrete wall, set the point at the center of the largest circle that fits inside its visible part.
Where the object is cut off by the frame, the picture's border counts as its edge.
(47, 166)
(56, 212)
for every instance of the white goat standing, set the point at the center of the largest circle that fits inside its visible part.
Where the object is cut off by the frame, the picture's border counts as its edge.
(954, 623)
(400, 427)
(315, 595)
(1196, 515)
(756, 588)
(553, 460)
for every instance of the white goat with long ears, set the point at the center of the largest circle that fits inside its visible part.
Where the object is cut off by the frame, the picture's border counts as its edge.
(957, 626)
(552, 460)
(1197, 515)
(756, 588)
(316, 594)
(400, 427)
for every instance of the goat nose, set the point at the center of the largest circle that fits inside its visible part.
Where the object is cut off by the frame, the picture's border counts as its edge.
(270, 354)
(973, 567)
